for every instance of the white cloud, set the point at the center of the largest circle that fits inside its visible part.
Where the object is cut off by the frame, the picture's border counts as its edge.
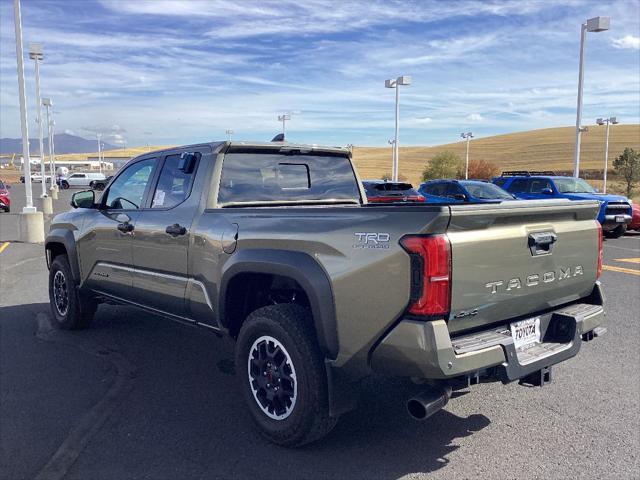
(450, 49)
(628, 41)
(475, 117)
(253, 18)
(69, 132)
(422, 120)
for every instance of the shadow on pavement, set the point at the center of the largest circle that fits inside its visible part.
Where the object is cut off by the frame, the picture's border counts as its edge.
(181, 414)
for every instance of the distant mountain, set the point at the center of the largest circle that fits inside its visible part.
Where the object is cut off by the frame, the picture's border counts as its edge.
(63, 143)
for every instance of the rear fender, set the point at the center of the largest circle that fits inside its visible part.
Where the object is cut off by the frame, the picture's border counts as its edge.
(298, 266)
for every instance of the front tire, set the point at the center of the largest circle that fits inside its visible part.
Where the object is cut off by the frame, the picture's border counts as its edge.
(69, 307)
(64, 185)
(282, 375)
(616, 232)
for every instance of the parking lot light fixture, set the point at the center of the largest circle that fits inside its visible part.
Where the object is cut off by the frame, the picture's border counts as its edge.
(284, 118)
(36, 54)
(596, 24)
(467, 136)
(24, 125)
(607, 122)
(391, 83)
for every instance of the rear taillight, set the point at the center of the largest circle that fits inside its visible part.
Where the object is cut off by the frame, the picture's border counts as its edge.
(430, 274)
(600, 250)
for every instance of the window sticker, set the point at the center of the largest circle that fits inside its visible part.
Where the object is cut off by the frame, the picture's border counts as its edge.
(158, 198)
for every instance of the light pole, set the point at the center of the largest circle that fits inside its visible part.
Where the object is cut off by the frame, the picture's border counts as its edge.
(467, 136)
(283, 118)
(24, 126)
(595, 24)
(607, 121)
(99, 135)
(229, 132)
(52, 166)
(392, 142)
(402, 80)
(36, 54)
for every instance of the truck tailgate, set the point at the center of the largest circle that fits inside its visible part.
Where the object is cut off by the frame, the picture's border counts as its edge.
(517, 258)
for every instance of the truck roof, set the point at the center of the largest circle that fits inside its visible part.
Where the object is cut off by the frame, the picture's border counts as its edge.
(219, 145)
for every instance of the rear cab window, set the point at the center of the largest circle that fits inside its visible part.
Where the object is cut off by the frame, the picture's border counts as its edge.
(270, 177)
(174, 184)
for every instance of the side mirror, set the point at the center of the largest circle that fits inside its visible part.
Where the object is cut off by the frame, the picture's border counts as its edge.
(547, 191)
(187, 163)
(85, 199)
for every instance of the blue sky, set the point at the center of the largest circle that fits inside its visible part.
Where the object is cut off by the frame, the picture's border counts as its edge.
(172, 72)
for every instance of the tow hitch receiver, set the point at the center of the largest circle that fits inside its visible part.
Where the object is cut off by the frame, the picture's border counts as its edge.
(537, 379)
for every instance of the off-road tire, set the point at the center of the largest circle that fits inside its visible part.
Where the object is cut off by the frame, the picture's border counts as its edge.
(616, 232)
(79, 310)
(291, 325)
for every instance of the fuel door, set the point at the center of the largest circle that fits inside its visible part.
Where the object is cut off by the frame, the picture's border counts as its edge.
(230, 238)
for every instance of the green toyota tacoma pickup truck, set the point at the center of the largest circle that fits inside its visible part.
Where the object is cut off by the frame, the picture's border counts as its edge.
(274, 245)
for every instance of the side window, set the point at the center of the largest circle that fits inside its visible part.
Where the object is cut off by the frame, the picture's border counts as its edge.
(452, 189)
(519, 185)
(436, 189)
(174, 185)
(127, 191)
(539, 184)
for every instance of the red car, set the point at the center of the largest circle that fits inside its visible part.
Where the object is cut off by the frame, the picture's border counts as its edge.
(635, 217)
(5, 201)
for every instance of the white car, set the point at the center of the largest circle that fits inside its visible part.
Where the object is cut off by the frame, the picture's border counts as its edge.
(80, 179)
(37, 178)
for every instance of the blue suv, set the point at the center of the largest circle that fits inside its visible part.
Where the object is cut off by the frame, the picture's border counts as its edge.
(615, 210)
(459, 191)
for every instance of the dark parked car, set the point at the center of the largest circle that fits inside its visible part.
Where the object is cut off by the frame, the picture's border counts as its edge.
(383, 191)
(459, 191)
(100, 184)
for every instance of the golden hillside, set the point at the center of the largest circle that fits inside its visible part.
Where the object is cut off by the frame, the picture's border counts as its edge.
(117, 152)
(546, 149)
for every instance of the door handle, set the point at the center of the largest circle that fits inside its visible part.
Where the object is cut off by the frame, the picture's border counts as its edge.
(541, 243)
(125, 227)
(176, 230)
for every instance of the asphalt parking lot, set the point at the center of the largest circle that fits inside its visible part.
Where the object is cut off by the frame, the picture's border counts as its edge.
(139, 396)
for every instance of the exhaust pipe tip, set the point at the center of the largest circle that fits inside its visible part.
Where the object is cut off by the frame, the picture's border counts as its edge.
(416, 409)
(428, 402)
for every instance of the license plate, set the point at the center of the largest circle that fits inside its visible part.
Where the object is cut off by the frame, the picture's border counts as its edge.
(525, 333)
(619, 219)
